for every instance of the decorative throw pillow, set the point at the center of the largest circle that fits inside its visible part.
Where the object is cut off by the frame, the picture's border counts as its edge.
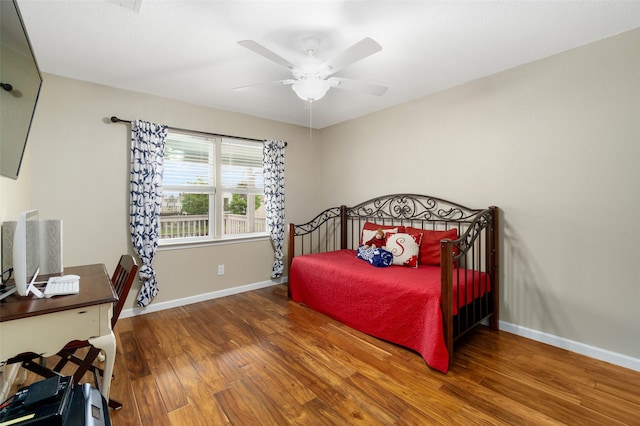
(404, 248)
(430, 245)
(377, 257)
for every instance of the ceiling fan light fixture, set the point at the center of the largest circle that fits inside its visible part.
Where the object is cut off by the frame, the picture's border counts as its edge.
(311, 89)
(313, 77)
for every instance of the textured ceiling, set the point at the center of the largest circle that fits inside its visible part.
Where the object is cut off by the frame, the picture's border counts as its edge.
(187, 49)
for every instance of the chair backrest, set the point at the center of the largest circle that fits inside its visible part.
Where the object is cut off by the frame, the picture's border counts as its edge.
(121, 281)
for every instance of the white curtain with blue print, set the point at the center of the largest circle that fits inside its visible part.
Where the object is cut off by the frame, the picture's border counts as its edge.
(274, 200)
(147, 154)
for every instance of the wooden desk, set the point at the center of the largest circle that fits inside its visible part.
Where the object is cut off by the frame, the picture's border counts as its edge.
(44, 326)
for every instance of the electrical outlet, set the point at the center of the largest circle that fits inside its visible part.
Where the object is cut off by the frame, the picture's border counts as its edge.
(220, 269)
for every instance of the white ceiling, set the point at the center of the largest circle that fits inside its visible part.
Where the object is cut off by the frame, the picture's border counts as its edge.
(187, 49)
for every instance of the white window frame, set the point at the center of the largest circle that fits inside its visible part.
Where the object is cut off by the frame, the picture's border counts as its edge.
(216, 198)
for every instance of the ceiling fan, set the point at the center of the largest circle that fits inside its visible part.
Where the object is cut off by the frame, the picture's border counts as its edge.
(313, 77)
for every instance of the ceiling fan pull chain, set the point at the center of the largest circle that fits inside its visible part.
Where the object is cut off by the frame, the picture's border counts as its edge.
(310, 122)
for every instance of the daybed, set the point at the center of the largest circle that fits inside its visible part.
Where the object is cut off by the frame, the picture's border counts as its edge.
(424, 307)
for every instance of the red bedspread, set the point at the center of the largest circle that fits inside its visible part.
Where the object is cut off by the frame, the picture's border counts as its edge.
(397, 304)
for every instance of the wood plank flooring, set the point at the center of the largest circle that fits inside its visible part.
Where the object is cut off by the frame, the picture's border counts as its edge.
(258, 359)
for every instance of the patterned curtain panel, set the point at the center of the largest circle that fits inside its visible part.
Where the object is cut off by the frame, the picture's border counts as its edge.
(274, 200)
(147, 155)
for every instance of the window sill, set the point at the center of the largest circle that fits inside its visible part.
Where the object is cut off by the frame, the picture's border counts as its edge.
(187, 244)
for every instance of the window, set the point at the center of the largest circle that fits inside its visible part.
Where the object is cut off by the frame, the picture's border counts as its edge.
(213, 189)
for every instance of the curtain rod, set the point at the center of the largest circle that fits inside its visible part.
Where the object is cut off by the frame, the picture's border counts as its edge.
(115, 119)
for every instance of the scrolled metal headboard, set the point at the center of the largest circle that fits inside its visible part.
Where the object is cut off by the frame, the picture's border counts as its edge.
(412, 207)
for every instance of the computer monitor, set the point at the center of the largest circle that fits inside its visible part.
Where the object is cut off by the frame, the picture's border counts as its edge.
(26, 252)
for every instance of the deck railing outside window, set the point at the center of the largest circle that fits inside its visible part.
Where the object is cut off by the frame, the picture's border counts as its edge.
(189, 226)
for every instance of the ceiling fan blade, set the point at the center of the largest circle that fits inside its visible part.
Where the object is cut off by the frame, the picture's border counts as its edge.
(357, 86)
(358, 51)
(269, 54)
(267, 83)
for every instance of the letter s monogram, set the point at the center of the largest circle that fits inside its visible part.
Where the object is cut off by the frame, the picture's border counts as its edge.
(400, 242)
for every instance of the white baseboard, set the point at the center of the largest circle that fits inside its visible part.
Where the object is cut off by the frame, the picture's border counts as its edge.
(155, 307)
(573, 346)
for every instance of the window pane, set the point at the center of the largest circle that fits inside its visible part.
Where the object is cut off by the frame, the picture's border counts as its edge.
(184, 215)
(243, 213)
(242, 167)
(188, 160)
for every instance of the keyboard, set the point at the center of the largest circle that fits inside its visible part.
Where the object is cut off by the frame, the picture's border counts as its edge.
(58, 286)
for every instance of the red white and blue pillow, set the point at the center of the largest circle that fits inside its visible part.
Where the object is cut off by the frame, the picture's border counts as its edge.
(375, 256)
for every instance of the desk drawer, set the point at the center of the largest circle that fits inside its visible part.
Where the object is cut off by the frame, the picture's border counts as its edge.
(47, 334)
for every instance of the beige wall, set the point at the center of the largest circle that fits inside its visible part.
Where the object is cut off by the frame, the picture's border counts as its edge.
(556, 145)
(78, 172)
(14, 194)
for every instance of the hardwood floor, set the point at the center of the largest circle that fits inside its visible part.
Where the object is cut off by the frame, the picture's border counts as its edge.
(258, 359)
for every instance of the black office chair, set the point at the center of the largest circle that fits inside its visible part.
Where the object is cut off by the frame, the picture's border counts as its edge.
(122, 279)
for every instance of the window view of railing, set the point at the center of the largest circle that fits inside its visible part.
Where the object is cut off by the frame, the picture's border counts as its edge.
(190, 226)
(239, 224)
(184, 226)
